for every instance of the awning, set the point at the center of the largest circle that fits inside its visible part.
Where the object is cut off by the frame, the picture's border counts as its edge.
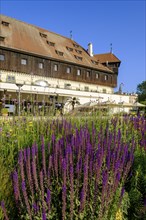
(8, 86)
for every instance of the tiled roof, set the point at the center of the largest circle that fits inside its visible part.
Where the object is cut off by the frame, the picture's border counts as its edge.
(31, 39)
(110, 57)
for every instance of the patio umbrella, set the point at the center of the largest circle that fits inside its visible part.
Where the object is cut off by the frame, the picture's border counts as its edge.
(125, 104)
(87, 104)
(138, 104)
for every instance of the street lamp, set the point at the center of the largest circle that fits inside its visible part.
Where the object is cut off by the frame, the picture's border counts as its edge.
(19, 88)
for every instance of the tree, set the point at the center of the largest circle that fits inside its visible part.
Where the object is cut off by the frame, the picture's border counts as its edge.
(141, 91)
(73, 101)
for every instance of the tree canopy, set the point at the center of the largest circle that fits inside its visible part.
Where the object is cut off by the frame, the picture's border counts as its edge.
(141, 91)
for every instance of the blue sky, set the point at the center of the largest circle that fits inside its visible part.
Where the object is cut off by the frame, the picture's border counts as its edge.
(122, 23)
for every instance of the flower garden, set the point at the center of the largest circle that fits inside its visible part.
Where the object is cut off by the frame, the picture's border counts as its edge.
(73, 168)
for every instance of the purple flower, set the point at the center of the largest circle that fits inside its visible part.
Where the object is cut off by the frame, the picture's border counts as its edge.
(44, 214)
(48, 199)
(35, 207)
(42, 187)
(71, 192)
(34, 169)
(122, 192)
(43, 156)
(24, 191)
(16, 186)
(4, 210)
(28, 171)
(63, 202)
(21, 163)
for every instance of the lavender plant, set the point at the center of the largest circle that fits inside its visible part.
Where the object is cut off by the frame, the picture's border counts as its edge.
(76, 176)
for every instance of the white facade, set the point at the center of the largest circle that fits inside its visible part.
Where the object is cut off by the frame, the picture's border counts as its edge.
(64, 88)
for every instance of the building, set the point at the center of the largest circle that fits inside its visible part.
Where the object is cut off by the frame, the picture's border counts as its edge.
(37, 65)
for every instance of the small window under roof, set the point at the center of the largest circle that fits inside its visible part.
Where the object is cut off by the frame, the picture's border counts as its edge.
(50, 43)
(78, 51)
(59, 52)
(78, 58)
(5, 23)
(2, 38)
(76, 45)
(69, 48)
(43, 35)
(94, 62)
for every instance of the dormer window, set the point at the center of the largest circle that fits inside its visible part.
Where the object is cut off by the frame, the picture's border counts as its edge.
(76, 45)
(5, 23)
(50, 43)
(78, 58)
(78, 51)
(94, 62)
(2, 38)
(59, 53)
(43, 35)
(69, 48)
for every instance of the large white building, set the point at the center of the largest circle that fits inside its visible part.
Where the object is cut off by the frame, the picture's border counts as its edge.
(37, 66)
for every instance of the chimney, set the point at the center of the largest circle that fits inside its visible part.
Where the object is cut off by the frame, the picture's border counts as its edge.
(90, 49)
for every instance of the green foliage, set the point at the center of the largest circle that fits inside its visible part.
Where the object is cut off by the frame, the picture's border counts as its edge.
(141, 91)
(19, 133)
(4, 111)
(136, 187)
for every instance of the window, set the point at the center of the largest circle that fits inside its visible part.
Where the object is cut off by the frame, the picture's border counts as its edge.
(94, 62)
(68, 69)
(50, 43)
(78, 51)
(76, 45)
(41, 65)
(5, 23)
(43, 35)
(59, 53)
(106, 77)
(55, 67)
(2, 38)
(97, 75)
(67, 86)
(88, 73)
(69, 48)
(86, 88)
(10, 79)
(78, 58)
(78, 72)
(2, 57)
(104, 90)
(23, 61)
